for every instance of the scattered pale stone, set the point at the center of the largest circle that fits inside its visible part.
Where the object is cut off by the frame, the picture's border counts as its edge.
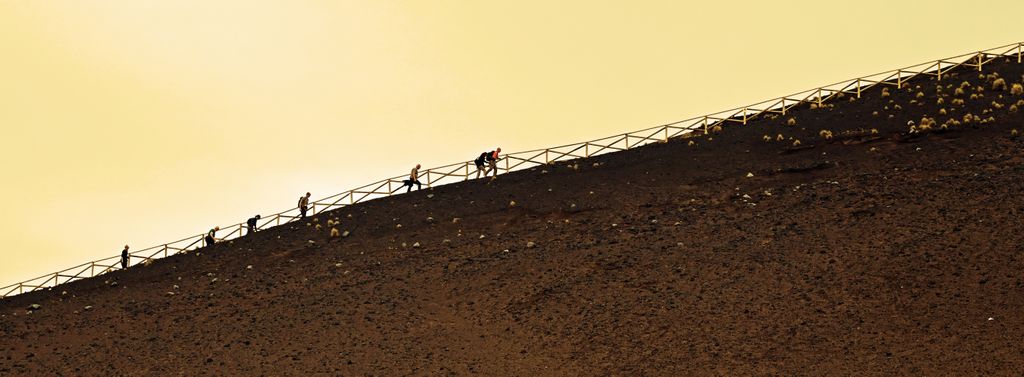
(337, 265)
(398, 226)
(530, 245)
(512, 203)
(750, 175)
(335, 232)
(345, 233)
(416, 245)
(175, 287)
(88, 307)
(446, 241)
(456, 220)
(35, 307)
(482, 236)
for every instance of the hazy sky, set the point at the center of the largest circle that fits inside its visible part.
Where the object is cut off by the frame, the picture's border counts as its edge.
(140, 121)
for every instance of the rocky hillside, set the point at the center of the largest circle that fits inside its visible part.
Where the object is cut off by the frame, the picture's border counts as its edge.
(833, 240)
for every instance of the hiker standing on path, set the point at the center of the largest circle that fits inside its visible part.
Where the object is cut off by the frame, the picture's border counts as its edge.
(491, 159)
(413, 178)
(251, 224)
(124, 258)
(303, 205)
(211, 236)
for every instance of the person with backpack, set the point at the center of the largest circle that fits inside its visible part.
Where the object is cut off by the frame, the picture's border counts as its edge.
(492, 162)
(251, 224)
(304, 205)
(413, 179)
(491, 159)
(124, 258)
(211, 236)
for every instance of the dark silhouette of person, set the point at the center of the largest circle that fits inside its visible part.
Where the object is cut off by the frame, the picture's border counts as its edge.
(304, 205)
(413, 179)
(251, 224)
(124, 258)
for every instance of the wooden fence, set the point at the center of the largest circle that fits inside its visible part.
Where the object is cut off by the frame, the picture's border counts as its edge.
(463, 171)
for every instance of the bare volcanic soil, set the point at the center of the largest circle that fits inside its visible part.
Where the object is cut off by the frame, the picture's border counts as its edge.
(875, 251)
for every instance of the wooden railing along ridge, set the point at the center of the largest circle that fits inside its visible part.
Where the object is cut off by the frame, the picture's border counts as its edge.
(519, 160)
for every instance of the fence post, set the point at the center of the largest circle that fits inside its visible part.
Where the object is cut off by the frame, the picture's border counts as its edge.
(744, 116)
(899, 79)
(980, 62)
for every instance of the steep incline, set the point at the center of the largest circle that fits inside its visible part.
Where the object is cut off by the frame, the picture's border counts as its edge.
(866, 253)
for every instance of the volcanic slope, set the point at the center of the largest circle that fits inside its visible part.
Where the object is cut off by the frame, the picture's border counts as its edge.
(873, 251)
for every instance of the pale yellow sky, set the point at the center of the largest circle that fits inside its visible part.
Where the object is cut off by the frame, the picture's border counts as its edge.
(141, 121)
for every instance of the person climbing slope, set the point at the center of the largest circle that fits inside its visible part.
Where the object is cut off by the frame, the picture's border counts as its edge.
(487, 161)
(413, 179)
(251, 224)
(304, 205)
(211, 236)
(124, 257)
(492, 162)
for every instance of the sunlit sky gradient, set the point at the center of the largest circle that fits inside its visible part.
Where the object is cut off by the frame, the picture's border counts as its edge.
(140, 121)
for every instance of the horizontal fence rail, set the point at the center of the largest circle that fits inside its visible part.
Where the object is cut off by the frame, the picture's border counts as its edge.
(463, 171)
